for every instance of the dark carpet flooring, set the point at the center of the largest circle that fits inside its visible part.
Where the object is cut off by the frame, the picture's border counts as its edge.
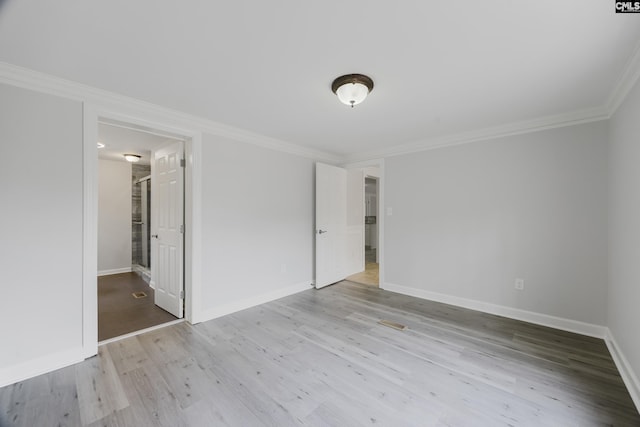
(119, 312)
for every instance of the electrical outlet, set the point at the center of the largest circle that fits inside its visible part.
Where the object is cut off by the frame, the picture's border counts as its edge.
(519, 285)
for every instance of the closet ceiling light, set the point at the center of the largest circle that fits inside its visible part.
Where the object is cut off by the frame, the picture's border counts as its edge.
(100, 145)
(133, 158)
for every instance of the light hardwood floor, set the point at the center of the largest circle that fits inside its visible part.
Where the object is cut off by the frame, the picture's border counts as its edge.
(321, 358)
(370, 275)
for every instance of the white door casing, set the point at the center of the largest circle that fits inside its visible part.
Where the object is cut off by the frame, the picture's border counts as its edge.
(168, 227)
(339, 224)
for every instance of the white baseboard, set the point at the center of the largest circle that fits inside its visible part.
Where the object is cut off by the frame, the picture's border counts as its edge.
(42, 365)
(229, 308)
(114, 271)
(626, 371)
(561, 323)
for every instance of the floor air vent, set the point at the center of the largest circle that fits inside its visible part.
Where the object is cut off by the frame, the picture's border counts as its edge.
(139, 295)
(393, 325)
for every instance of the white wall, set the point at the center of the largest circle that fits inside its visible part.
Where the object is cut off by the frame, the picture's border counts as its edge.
(624, 229)
(41, 229)
(468, 220)
(258, 212)
(114, 216)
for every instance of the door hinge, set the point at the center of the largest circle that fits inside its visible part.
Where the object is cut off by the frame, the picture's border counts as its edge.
(182, 163)
(182, 294)
(182, 228)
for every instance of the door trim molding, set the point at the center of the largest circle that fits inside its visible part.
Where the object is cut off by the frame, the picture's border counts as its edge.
(92, 114)
(89, 231)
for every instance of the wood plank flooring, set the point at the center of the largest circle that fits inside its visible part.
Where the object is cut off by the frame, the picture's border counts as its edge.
(320, 358)
(119, 313)
(370, 275)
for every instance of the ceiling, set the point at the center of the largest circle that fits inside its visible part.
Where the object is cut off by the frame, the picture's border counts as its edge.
(440, 68)
(119, 140)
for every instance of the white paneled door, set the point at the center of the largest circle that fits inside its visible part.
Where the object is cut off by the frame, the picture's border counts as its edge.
(336, 244)
(168, 171)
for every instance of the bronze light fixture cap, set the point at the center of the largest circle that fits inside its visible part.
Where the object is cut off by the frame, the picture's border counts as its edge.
(352, 89)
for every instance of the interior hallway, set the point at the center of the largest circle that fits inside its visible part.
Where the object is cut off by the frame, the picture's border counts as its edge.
(119, 312)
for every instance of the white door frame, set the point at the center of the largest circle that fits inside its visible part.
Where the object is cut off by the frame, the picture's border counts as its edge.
(379, 163)
(192, 198)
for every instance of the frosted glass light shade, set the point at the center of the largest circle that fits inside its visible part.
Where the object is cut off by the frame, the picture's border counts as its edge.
(352, 93)
(352, 89)
(133, 158)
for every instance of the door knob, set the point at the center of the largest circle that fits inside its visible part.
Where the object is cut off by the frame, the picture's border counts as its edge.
(322, 231)
(154, 236)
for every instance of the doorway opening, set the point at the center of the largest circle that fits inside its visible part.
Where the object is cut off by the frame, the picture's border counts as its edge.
(138, 287)
(370, 275)
(340, 223)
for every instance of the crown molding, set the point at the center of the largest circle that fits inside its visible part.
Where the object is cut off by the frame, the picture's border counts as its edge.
(627, 80)
(41, 82)
(516, 128)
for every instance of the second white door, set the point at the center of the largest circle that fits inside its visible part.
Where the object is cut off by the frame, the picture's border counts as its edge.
(168, 207)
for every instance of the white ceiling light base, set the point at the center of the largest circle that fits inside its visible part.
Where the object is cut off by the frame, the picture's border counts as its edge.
(352, 89)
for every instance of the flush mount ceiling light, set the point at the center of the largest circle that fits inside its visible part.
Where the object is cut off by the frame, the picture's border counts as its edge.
(133, 158)
(100, 145)
(352, 89)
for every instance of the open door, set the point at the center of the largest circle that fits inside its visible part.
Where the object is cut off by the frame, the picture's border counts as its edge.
(339, 236)
(168, 171)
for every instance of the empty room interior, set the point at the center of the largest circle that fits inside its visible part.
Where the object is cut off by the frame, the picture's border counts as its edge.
(331, 213)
